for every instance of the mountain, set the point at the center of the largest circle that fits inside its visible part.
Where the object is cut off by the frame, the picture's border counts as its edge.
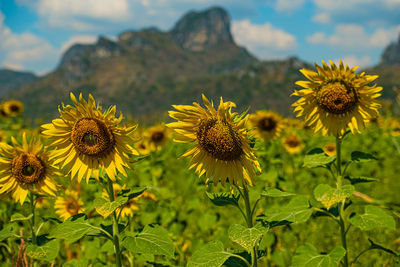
(13, 79)
(145, 72)
(388, 69)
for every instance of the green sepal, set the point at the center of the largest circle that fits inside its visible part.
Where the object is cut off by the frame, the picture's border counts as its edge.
(223, 199)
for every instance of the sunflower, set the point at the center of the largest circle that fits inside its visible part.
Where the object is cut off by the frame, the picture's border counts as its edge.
(330, 149)
(129, 208)
(393, 124)
(292, 143)
(143, 147)
(157, 136)
(222, 149)
(12, 108)
(25, 168)
(68, 205)
(336, 98)
(88, 141)
(266, 125)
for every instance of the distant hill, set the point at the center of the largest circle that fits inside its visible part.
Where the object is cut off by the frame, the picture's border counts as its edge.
(145, 72)
(10, 79)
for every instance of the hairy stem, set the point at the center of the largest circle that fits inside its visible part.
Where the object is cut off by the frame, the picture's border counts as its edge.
(341, 209)
(32, 204)
(115, 226)
(249, 220)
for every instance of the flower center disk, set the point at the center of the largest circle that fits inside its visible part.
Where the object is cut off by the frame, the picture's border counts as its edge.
(28, 169)
(267, 124)
(337, 98)
(92, 137)
(292, 142)
(157, 137)
(219, 139)
(72, 206)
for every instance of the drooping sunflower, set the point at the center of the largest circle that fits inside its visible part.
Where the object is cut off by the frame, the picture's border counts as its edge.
(133, 204)
(292, 143)
(68, 205)
(88, 141)
(266, 125)
(25, 168)
(13, 108)
(222, 149)
(330, 149)
(157, 136)
(336, 98)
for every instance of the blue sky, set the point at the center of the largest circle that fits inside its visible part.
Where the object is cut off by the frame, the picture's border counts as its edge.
(35, 33)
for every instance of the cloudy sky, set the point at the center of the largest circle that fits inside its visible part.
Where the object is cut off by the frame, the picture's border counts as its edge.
(35, 33)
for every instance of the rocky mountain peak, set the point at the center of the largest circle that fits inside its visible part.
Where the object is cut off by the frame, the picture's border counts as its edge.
(391, 55)
(196, 31)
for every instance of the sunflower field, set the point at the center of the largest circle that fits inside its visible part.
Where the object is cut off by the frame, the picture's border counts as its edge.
(209, 186)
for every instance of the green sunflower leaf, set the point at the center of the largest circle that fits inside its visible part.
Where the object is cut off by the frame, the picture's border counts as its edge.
(380, 247)
(274, 192)
(373, 217)
(329, 196)
(152, 240)
(308, 256)
(223, 199)
(47, 252)
(317, 158)
(6, 232)
(361, 179)
(358, 156)
(246, 237)
(105, 208)
(298, 210)
(72, 229)
(210, 255)
(19, 217)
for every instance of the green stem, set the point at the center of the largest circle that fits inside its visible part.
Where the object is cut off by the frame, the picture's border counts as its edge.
(115, 226)
(243, 259)
(32, 204)
(339, 161)
(341, 209)
(249, 220)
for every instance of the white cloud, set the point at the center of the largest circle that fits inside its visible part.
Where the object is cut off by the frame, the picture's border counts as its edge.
(265, 41)
(100, 9)
(352, 37)
(322, 18)
(352, 60)
(288, 5)
(25, 51)
(368, 12)
(78, 39)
